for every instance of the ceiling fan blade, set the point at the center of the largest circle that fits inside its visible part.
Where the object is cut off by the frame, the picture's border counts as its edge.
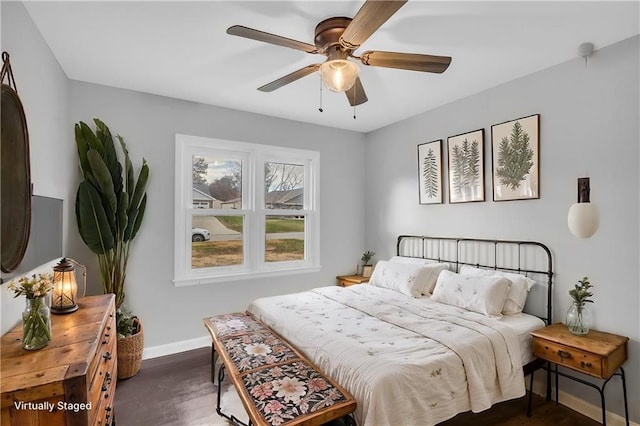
(240, 31)
(356, 95)
(406, 61)
(289, 78)
(369, 18)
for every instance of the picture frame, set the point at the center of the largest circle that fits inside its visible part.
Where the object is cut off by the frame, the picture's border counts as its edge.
(466, 167)
(515, 153)
(367, 270)
(430, 172)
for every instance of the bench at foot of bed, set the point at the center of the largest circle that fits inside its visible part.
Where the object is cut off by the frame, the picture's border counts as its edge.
(276, 384)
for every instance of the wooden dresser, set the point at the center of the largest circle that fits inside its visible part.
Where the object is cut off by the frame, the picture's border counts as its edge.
(72, 381)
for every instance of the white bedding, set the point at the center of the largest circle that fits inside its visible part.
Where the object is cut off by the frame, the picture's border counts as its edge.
(405, 360)
(522, 325)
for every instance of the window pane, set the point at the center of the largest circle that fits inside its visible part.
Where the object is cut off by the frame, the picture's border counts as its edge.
(283, 186)
(284, 238)
(217, 241)
(217, 182)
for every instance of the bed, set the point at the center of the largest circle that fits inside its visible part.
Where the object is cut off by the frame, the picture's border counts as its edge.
(413, 355)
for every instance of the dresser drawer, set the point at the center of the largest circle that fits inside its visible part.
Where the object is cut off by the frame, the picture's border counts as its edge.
(106, 345)
(103, 379)
(569, 357)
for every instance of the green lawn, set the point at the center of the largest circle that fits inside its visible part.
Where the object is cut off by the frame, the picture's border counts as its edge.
(220, 253)
(277, 224)
(274, 224)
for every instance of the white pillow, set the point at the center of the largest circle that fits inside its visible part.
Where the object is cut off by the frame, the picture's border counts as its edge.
(485, 295)
(407, 278)
(403, 259)
(520, 286)
(419, 260)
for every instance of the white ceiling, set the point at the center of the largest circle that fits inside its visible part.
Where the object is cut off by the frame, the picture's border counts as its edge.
(181, 50)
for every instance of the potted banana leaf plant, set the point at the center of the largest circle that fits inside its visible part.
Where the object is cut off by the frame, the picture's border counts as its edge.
(110, 206)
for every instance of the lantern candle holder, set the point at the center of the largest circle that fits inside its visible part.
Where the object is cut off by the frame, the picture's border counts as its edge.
(64, 297)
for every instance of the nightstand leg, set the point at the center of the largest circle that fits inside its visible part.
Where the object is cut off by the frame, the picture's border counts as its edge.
(557, 383)
(604, 409)
(624, 393)
(530, 396)
(548, 395)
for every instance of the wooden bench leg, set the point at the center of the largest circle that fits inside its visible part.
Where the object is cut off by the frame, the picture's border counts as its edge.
(233, 419)
(214, 358)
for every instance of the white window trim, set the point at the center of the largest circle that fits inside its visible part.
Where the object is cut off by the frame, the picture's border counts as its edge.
(254, 267)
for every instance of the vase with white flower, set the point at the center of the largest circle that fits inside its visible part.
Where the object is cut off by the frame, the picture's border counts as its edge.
(36, 318)
(578, 318)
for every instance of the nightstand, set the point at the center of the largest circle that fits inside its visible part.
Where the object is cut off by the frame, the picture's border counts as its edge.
(597, 354)
(349, 280)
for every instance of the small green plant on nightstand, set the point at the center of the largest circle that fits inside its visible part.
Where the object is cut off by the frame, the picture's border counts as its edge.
(578, 319)
(366, 257)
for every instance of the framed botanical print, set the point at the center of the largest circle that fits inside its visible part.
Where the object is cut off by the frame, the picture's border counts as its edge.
(466, 167)
(430, 172)
(515, 159)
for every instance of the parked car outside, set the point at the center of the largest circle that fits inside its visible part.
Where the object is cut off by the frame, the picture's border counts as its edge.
(200, 234)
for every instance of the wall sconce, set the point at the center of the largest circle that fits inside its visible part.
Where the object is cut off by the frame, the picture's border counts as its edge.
(583, 218)
(65, 288)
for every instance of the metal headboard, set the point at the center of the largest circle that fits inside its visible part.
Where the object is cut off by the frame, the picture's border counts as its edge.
(522, 257)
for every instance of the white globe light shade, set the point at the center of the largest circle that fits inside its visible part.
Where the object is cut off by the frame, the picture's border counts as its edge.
(339, 75)
(583, 219)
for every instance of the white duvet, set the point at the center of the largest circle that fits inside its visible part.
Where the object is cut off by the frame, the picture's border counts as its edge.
(406, 361)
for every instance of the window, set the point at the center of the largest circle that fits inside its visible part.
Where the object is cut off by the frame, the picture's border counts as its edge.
(244, 210)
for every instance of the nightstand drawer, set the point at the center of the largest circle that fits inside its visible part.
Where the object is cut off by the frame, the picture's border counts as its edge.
(573, 358)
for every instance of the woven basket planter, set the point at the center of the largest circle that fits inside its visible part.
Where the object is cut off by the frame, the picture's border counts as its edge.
(130, 353)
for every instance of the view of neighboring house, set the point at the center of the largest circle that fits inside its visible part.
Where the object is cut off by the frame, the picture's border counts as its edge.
(202, 199)
(292, 199)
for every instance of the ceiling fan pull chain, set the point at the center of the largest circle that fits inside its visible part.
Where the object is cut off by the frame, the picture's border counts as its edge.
(320, 109)
(354, 103)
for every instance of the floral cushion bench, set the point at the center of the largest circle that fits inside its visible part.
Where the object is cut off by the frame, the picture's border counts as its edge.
(277, 384)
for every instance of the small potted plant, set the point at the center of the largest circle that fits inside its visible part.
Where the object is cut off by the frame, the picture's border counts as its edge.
(578, 318)
(367, 268)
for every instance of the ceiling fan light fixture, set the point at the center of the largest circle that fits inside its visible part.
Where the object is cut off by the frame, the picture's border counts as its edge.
(339, 75)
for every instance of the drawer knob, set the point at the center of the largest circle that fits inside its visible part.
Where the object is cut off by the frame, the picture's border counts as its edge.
(585, 364)
(106, 356)
(104, 388)
(564, 355)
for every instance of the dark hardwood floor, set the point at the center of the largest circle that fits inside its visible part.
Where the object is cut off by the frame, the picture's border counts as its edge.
(176, 390)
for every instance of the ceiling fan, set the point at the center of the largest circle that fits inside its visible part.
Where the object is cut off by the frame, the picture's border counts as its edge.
(337, 38)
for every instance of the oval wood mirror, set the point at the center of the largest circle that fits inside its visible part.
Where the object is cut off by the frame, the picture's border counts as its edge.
(15, 184)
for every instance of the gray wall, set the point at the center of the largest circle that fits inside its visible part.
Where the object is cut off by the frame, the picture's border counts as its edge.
(43, 89)
(588, 125)
(149, 124)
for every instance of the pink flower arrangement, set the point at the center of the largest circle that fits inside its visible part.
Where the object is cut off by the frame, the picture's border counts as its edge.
(36, 286)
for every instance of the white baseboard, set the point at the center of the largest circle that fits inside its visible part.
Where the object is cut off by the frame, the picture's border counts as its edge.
(177, 347)
(580, 405)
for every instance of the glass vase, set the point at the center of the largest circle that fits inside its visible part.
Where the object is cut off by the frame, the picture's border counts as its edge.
(36, 324)
(578, 319)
